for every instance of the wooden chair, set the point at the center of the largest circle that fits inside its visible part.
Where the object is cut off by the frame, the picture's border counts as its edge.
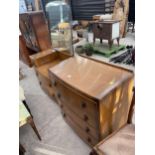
(21, 149)
(26, 118)
(121, 141)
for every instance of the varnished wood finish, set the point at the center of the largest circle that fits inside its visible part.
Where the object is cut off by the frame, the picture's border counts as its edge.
(96, 149)
(35, 31)
(42, 62)
(86, 137)
(24, 52)
(31, 122)
(94, 96)
(93, 79)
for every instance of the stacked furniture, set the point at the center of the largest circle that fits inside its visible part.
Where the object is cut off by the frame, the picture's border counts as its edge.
(45, 60)
(94, 97)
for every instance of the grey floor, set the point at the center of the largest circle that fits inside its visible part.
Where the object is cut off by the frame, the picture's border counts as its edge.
(56, 135)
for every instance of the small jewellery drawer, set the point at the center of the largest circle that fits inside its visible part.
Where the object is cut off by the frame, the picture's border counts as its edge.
(87, 138)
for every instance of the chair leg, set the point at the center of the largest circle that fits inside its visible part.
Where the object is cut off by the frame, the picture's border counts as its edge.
(21, 149)
(31, 122)
(27, 107)
(93, 152)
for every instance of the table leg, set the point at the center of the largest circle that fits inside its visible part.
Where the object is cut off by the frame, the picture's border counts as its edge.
(31, 122)
(94, 39)
(118, 41)
(27, 107)
(133, 27)
(110, 42)
(101, 40)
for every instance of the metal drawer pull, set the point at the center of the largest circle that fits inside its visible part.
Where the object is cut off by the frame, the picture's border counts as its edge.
(61, 106)
(88, 139)
(64, 115)
(83, 105)
(87, 129)
(54, 83)
(85, 118)
(40, 82)
(58, 95)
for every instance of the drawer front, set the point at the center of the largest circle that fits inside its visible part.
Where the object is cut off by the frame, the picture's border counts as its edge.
(45, 84)
(90, 131)
(85, 108)
(88, 139)
(102, 31)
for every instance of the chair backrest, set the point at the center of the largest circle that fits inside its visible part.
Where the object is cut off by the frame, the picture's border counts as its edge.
(131, 111)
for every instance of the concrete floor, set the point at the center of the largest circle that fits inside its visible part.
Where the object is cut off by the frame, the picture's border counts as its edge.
(56, 134)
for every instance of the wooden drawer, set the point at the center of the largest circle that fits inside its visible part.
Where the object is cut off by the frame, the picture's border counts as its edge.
(88, 139)
(45, 84)
(83, 107)
(44, 80)
(81, 123)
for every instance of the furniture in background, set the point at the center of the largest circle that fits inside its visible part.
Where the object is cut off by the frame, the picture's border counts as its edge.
(119, 12)
(94, 97)
(131, 17)
(24, 52)
(34, 29)
(45, 60)
(121, 141)
(108, 29)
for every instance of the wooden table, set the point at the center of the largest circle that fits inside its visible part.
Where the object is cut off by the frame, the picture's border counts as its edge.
(94, 97)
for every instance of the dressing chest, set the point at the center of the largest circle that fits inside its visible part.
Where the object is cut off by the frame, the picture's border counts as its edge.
(94, 97)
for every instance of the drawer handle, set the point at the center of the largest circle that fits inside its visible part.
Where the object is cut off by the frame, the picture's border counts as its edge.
(50, 85)
(36, 73)
(85, 118)
(87, 129)
(89, 139)
(54, 83)
(83, 105)
(40, 82)
(64, 115)
(58, 95)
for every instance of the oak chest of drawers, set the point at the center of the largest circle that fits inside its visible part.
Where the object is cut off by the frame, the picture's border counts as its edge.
(94, 97)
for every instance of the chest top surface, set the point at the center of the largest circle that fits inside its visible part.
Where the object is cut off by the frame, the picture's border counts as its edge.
(92, 78)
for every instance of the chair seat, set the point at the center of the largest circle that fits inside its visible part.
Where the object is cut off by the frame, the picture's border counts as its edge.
(122, 143)
(23, 114)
